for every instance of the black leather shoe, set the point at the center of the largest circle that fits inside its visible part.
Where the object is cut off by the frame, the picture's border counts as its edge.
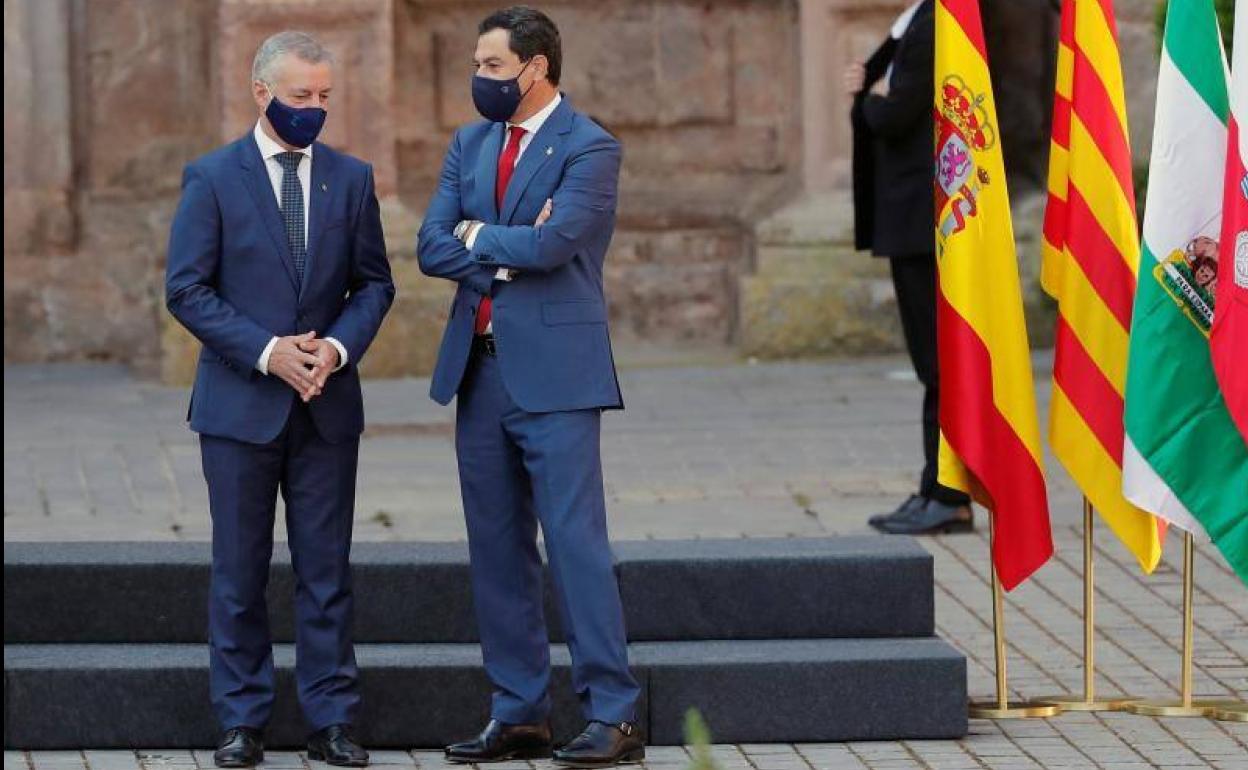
(933, 518)
(912, 504)
(336, 745)
(500, 742)
(603, 745)
(240, 747)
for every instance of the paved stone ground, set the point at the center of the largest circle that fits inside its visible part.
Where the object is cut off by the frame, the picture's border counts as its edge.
(801, 449)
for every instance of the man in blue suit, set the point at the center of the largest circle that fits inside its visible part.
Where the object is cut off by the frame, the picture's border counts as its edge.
(521, 220)
(278, 266)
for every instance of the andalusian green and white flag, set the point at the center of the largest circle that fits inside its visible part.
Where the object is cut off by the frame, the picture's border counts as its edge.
(1184, 459)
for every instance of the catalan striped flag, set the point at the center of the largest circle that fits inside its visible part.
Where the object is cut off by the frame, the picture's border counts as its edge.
(1091, 254)
(990, 437)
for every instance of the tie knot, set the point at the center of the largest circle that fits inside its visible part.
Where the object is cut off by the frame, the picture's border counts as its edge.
(515, 134)
(289, 160)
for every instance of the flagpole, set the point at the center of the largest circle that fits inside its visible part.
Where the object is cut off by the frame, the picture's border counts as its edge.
(1185, 706)
(1002, 708)
(1088, 701)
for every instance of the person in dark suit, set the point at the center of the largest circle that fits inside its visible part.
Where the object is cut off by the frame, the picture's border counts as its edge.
(278, 266)
(894, 218)
(520, 221)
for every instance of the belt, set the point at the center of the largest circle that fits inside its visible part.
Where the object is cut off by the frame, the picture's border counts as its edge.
(484, 344)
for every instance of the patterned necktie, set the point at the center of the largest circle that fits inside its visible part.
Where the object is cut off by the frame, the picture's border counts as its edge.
(506, 167)
(292, 208)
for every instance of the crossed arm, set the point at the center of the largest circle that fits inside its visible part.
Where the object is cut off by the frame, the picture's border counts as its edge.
(439, 253)
(582, 204)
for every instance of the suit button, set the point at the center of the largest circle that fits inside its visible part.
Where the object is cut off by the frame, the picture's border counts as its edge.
(472, 310)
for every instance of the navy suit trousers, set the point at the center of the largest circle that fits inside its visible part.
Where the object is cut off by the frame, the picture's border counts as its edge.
(317, 483)
(517, 470)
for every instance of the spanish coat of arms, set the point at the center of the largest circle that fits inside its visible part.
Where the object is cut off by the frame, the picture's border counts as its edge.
(962, 129)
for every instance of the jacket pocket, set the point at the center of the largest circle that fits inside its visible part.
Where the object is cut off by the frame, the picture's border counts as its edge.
(577, 311)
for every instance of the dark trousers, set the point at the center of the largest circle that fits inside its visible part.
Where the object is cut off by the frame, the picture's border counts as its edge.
(914, 279)
(317, 483)
(518, 470)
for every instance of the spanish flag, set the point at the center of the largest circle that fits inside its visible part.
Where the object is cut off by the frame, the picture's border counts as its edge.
(990, 436)
(1091, 256)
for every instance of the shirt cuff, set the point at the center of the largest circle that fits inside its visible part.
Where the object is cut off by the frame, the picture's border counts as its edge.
(263, 364)
(342, 352)
(473, 231)
(504, 274)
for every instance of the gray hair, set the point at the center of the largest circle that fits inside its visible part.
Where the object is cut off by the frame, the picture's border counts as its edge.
(301, 44)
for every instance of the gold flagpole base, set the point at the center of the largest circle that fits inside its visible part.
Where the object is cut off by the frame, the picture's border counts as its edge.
(1177, 708)
(1236, 713)
(991, 709)
(1080, 703)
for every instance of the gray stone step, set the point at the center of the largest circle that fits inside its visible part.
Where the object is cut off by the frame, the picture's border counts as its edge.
(844, 587)
(425, 695)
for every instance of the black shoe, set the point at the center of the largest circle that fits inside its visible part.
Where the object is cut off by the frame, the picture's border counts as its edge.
(934, 517)
(500, 742)
(603, 745)
(336, 746)
(912, 504)
(241, 747)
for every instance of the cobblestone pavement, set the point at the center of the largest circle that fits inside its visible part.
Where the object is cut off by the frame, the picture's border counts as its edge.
(794, 449)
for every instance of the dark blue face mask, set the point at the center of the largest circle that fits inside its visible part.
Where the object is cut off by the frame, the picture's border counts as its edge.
(297, 126)
(498, 100)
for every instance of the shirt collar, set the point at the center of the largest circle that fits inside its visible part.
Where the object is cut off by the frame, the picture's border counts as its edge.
(903, 21)
(534, 123)
(269, 148)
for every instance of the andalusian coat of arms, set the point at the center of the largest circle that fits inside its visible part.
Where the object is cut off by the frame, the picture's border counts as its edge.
(1190, 276)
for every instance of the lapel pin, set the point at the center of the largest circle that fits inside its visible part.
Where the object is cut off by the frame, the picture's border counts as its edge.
(550, 150)
(324, 187)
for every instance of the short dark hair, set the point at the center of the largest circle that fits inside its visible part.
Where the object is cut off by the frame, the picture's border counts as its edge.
(530, 32)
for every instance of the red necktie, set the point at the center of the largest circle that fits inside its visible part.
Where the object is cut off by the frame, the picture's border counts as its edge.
(506, 166)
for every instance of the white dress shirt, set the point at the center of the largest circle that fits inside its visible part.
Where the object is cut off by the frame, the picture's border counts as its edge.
(531, 127)
(269, 150)
(534, 124)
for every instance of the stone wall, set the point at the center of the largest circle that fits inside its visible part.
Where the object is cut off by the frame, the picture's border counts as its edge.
(730, 112)
(103, 103)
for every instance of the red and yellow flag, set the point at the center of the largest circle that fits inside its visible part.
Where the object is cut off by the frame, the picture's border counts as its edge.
(990, 437)
(1091, 256)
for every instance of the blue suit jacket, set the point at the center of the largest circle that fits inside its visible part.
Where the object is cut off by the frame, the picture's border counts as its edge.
(231, 281)
(550, 323)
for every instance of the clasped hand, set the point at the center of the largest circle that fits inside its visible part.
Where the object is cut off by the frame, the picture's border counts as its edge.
(304, 363)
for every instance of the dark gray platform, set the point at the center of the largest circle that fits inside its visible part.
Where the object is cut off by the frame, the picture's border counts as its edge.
(106, 695)
(419, 592)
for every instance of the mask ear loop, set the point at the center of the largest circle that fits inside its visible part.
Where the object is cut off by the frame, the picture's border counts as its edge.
(518, 74)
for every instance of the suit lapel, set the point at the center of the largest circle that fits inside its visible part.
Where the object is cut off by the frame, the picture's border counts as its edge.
(261, 189)
(541, 148)
(487, 169)
(321, 190)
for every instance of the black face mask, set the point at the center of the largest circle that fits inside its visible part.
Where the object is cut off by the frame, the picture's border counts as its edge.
(498, 100)
(297, 126)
